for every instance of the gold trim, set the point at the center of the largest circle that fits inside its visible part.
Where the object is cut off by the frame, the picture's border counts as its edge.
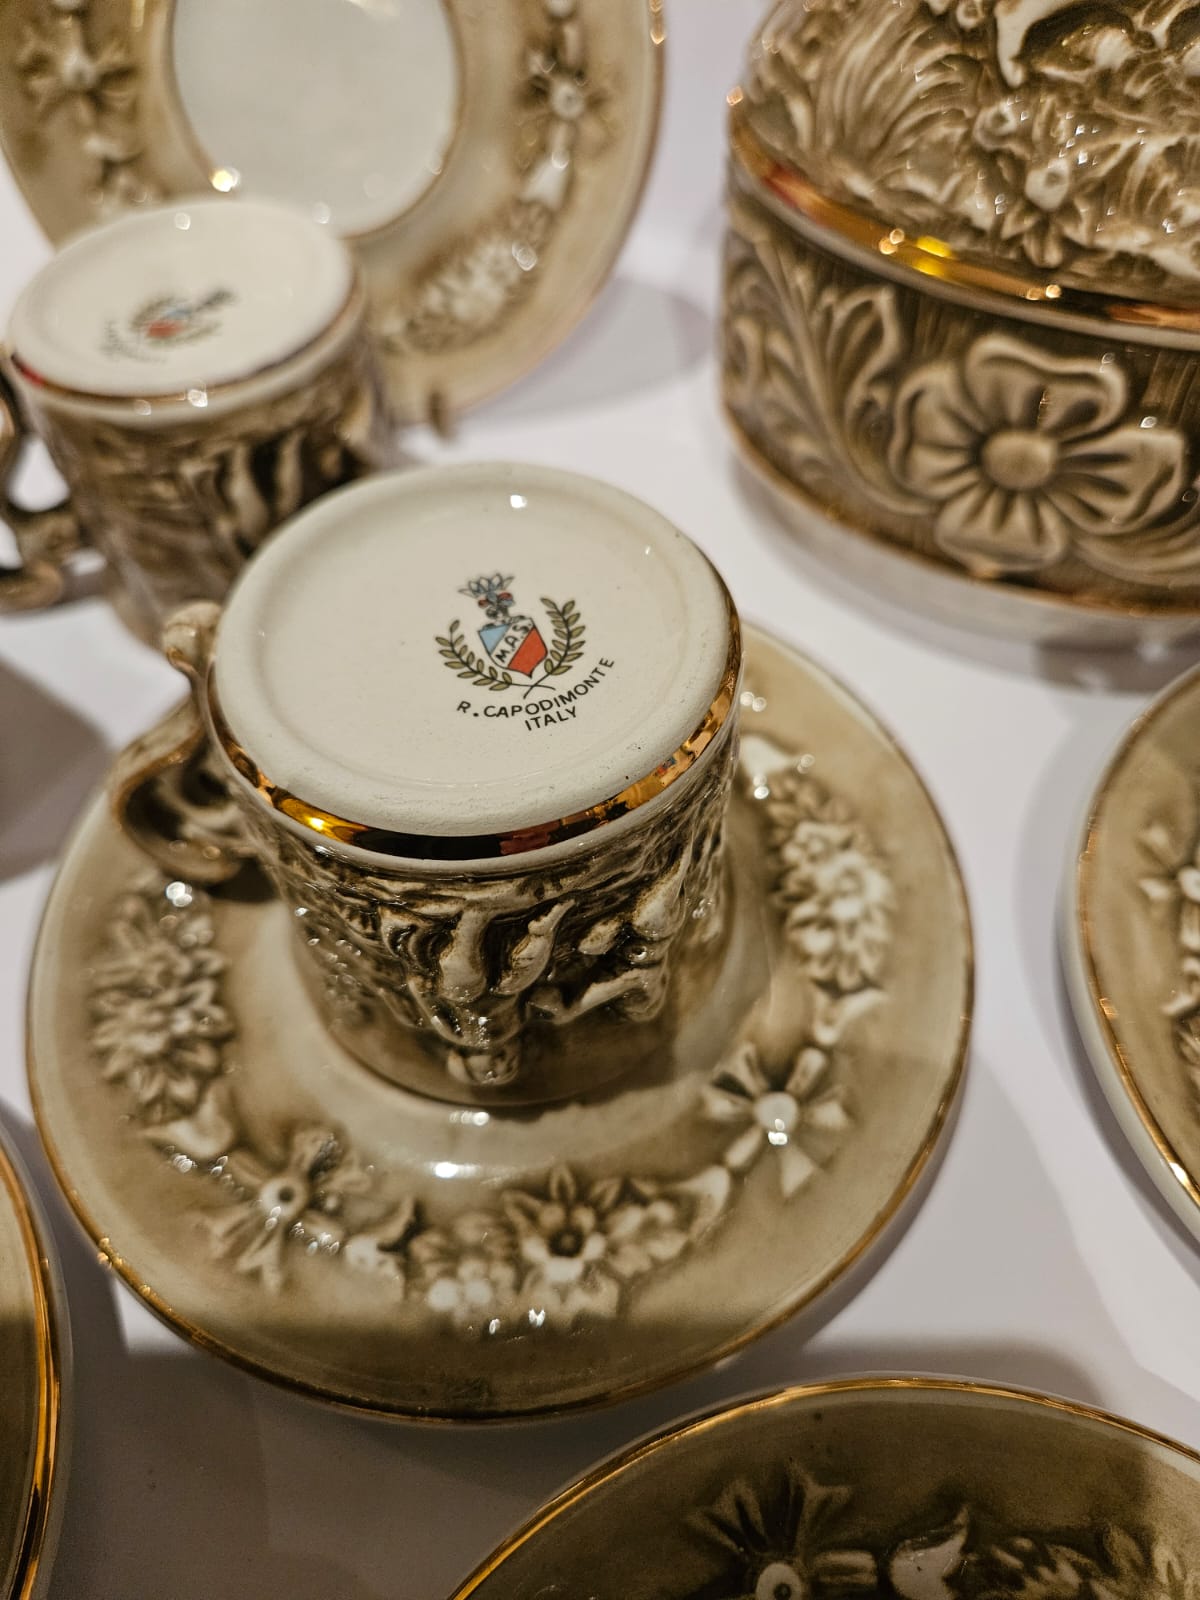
(616, 1466)
(32, 1534)
(1102, 1010)
(339, 325)
(491, 846)
(1159, 608)
(345, 1401)
(932, 259)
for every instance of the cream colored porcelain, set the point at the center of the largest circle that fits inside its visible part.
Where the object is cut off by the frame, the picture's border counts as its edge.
(407, 657)
(493, 820)
(34, 1358)
(486, 158)
(197, 372)
(344, 108)
(1131, 942)
(910, 1488)
(279, 1204)
(176, 305)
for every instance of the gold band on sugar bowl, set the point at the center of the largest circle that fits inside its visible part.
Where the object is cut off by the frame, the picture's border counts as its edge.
(787, 189)
(512, 842)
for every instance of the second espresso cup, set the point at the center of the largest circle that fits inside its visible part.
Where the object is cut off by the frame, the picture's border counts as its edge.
(478, 726)
(198, 372)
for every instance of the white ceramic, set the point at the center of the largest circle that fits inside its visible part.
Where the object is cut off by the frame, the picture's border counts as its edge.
(197, 372)
(478, 724)
(394, 658)
(173, 306)
(344, 108)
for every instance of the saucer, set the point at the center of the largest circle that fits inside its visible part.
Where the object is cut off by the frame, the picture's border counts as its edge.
(486, 173)
(278, 1203)
(32, 1361)
(1131, 942)
(918, 1488)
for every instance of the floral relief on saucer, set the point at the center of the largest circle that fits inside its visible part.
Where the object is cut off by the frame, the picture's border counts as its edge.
(281, 1204)
(471, 280)
(895, 1488)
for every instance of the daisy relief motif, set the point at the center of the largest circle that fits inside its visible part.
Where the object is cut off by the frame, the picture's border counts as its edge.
(1022, 455)
(777, 1111)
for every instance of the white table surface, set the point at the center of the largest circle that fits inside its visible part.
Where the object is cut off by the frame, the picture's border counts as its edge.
(1040, 1255)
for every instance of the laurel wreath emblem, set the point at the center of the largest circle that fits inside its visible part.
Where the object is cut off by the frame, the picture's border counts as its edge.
(567, 634)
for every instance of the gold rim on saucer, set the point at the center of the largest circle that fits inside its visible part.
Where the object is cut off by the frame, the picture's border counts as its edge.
(764, 1489)
(24, 1539)
(396, 1254)
(1127, 941)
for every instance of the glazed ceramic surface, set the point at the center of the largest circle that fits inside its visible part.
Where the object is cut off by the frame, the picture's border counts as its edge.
(538, 792)
(487, 170)
(514, 710)
(918, 1489)
(197, 373)
(32, 1357)
(962, 291)
(1132, 942)
(281, 1205)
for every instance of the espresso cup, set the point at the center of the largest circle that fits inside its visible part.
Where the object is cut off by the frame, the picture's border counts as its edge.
(197, 372)
(477, 725)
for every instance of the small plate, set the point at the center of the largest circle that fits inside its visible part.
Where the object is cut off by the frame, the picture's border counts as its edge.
(917, 1488)
(484, 157)
(1131, 941)
(280, 1204)
(32, 1362)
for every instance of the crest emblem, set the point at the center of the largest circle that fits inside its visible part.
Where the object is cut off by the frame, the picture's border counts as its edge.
(167, 320)
(513, 643)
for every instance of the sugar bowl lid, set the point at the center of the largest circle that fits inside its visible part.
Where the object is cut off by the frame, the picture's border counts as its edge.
(1051, 145)
(459, 662)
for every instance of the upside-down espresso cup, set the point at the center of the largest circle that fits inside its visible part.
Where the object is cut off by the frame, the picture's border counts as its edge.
(197, 372)
(477, 725)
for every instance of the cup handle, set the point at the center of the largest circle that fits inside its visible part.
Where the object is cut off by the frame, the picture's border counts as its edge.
(165, 790)
(46, 540)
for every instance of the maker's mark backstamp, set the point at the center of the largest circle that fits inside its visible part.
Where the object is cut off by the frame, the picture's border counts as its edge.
(552, 1249)
(163, 322)
(786, 1540)
(514, 646)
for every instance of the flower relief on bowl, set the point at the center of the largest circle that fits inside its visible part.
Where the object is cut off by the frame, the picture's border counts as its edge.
(963, 284)
(175, 302)
(462, 658)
